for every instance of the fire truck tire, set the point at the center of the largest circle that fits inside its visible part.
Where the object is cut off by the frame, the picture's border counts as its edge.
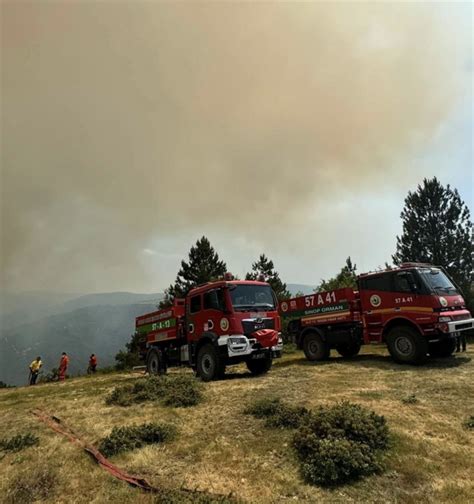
(259, 366)
(347, 350)
(209, 363)
(155, 364)
(315, 348)
(443, 348)
(406, 345)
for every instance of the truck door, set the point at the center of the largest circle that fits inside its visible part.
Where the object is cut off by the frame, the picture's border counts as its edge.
(376, 302)
(194, 318)
(214, 318)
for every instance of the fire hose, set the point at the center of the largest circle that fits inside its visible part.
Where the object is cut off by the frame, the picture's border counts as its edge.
(59, 426)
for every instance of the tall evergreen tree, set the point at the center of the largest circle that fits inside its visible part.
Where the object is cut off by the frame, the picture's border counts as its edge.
(203, 266)
(264, 267)
(347, 277)
(437, 230)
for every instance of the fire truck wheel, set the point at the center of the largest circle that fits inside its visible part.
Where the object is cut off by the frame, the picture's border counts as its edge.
(406, 345)
(155, 363)
(348, 349)
(315, 349)
(259, 366)
(209, 363)
(442, 348)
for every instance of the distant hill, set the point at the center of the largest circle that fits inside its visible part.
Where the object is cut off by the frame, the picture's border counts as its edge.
(102, 330)
(112, 299)
(27, 307)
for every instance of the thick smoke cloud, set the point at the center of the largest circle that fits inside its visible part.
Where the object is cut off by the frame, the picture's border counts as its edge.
(124, 123)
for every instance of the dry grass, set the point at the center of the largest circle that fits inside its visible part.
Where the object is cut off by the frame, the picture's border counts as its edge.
(222, 450)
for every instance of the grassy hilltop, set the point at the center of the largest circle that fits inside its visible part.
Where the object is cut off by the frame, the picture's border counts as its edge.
(221, 450)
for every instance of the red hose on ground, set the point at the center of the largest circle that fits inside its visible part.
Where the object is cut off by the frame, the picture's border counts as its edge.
(58, 425)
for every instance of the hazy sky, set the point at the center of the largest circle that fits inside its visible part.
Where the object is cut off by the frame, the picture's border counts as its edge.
(129, 130)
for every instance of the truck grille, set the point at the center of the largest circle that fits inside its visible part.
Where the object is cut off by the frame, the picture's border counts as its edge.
(250, 326)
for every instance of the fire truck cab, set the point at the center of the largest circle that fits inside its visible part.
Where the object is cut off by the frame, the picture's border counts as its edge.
(415, 309)
(218, 324)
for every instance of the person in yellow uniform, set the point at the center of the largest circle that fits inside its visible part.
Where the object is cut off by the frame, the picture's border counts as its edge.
(35, 367)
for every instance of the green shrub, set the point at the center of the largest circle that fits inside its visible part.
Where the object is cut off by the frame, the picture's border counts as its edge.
(262, 408)
(120, 396)
(411, 399)
(277, 413)
(350, 421)
(123, 439)
(52, 376)
(340, 443)
(32, 485)
(19, 442)
(332, 461)
(176, 390)
(469, 422)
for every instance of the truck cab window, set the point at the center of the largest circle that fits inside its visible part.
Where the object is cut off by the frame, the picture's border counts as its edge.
(377, 283)
(195, 304)
(214, 300)
(403, 283)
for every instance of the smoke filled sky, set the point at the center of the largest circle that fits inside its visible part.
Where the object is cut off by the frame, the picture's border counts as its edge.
(129, 130)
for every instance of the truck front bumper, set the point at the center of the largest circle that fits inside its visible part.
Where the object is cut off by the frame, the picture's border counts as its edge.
(238, 345)
(460, 325)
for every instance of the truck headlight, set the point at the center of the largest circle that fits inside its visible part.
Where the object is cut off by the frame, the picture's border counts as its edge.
(444, 319)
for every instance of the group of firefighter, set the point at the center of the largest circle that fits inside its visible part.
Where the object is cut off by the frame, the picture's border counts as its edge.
(36, 365)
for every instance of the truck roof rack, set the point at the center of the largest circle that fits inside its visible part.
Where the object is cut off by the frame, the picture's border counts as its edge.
(415, 265)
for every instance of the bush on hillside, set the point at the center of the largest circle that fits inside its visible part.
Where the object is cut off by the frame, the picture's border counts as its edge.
(411, 399)
(469, 422)
(52, 376)
(350, 421)
(277, 413)
(32, 485)
(331, 461)
(340, 443)
(176, 390)
(123, 439)
(19, 442)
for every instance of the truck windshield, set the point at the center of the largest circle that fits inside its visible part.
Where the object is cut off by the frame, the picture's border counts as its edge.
(437, 282)
(252, 297)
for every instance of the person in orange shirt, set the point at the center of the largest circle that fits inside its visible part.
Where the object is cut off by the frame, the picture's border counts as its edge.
(92, 364)
(63, 363)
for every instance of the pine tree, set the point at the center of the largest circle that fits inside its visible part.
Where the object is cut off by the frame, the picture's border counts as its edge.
(264, 267)
(437, 230)
(203, 266)
(347, 277)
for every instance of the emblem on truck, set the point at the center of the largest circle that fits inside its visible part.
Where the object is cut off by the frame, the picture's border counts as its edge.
(375, 300)
(284, 307)
(224, 324)
(443, 301)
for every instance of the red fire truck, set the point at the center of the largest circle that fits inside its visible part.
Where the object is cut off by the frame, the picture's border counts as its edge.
(215, 325)
(415, 309)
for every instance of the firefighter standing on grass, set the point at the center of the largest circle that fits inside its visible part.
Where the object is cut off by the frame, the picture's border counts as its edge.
(35, 367)
(63, 363)
(92, 364)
